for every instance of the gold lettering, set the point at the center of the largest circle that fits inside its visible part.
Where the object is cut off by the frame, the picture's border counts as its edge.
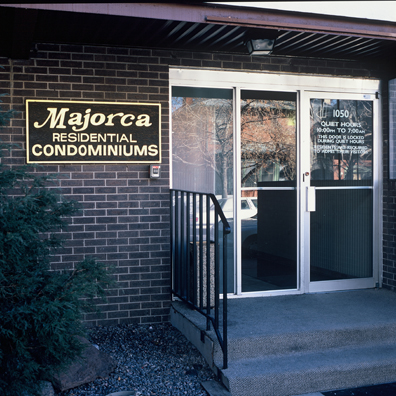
(110, 118)
(82, 150)
(101, 120)
(112, 150)
(111, 136)
(93, 151)
(143, 120)
(48, 150)
(86, 121)
(123, 119)
(142, 151)
(60, 150)
(130, 153)
(153, 150)
(75, 119)
(71, 149)
(34, 150)
(123, 138)
(54, 118)
(84, 137)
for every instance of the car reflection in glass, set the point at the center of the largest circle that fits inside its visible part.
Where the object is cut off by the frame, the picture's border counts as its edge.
(248, 236)
(248, 215)
(248, 207)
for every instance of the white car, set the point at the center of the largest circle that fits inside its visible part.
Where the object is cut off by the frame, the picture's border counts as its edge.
(248, 207)
(248, 215)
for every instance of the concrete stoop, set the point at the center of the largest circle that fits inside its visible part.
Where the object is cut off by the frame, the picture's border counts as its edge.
(303, 349)
(311, 372)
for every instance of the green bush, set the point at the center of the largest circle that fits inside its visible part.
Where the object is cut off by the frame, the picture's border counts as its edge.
(40, 309)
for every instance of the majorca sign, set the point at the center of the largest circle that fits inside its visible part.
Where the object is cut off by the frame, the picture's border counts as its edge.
(91, 132)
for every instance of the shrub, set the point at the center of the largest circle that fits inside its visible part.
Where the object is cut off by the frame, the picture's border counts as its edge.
(40, 310)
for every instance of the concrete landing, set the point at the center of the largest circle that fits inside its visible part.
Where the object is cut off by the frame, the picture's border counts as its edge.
(290, 345)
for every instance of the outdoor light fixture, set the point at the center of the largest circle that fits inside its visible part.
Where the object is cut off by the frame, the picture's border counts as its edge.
(260, 46)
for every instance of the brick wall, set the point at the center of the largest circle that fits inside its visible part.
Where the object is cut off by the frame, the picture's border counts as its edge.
(389, 196)
(125, 219)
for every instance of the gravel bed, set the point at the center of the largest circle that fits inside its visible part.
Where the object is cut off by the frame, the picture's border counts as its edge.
(152, 360)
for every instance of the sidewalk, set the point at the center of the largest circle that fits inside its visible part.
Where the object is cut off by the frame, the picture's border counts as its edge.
(376, 390)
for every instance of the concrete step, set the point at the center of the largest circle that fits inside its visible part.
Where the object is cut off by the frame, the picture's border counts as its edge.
(293, 345)
(306, 372)
(311, 340)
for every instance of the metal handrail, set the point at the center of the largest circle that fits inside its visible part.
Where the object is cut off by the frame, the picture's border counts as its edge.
(195, 257)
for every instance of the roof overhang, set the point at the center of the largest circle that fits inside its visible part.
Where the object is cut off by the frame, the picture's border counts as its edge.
(198, 27)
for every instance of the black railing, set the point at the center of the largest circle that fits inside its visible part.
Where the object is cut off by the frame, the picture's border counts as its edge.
(199, 256)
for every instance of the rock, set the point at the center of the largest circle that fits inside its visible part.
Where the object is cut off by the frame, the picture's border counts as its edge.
(46, 389)
(92, 364)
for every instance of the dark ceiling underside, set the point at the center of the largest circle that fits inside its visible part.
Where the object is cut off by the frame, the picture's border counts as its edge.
(21, 28)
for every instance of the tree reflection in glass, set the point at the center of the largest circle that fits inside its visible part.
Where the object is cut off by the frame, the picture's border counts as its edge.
(268, 141)
(202, 140)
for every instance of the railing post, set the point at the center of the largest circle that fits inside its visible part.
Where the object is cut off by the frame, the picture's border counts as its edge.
(172, 239)
(188, 250)
(177, 243)
(200, 251)
(217, 268)
(182, 247)
(225, 318)
(195, 272)
(208, 263)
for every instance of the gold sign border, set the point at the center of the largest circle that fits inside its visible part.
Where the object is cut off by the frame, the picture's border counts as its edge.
(91, 162)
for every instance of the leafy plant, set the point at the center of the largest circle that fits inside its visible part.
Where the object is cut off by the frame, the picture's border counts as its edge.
(40, 309)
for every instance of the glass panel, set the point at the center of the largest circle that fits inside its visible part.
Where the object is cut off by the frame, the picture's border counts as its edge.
(202, 140)
(268, 137)
(392, 128)
(202, 148)
(342, 235)
(268, 164)
(341, 141)
(342, 155)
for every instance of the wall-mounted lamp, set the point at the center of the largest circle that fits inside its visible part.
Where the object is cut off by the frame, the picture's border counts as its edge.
(260, 46)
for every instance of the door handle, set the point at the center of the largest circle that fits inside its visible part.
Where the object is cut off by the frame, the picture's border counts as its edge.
(311, 199)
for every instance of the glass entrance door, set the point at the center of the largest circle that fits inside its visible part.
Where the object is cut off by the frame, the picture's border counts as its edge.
(339, 191)
(295, 167)
(268, 191)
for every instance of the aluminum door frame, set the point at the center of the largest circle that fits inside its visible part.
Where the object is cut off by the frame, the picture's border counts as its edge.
(354, 283)
(304, 85)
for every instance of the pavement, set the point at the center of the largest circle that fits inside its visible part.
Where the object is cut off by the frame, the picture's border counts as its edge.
(214, 388)
(375, 390)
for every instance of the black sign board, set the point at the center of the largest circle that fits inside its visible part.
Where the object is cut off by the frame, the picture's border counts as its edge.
(92, 132)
